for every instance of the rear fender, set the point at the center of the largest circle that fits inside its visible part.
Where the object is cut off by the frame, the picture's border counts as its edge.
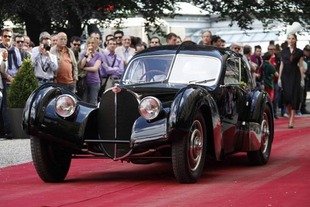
(259, 101)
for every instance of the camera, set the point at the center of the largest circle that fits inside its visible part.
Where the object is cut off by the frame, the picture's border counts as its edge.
(47, 47)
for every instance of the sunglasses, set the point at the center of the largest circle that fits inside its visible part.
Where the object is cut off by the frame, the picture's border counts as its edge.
(7, 36)
(237, 48)
(76, 44)
(20, 42)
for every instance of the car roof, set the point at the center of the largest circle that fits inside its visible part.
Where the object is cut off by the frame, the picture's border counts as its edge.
(185, 48)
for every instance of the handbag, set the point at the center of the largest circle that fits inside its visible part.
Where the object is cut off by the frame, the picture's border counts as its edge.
(81, 86)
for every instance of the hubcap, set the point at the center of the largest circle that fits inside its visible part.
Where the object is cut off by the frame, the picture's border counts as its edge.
(195, 145)
(265, 133)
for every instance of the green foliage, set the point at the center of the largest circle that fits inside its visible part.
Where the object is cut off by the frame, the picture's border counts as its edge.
(22, 86)
(71, 15)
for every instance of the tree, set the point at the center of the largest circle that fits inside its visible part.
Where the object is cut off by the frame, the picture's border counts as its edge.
(246, 11)
(71, 15)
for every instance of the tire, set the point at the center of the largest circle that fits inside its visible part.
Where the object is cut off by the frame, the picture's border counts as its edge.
(189, 152)
(51, 161)
(261, 156)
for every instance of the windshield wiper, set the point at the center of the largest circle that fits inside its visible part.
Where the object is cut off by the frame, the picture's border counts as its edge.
(202, 81)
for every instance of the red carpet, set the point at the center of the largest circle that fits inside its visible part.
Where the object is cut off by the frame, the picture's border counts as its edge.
(284, 181)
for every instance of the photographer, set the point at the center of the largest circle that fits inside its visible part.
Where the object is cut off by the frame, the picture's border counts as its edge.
(45, 64)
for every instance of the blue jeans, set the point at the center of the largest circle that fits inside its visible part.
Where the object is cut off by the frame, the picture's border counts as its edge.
(92, 90)
(4, 110)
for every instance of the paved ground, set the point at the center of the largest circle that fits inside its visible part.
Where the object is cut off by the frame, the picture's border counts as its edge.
(14, 152)
(284, 181)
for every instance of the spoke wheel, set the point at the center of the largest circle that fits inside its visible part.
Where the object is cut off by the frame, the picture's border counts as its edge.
(261, 156)
(189, 152)
(195, 146)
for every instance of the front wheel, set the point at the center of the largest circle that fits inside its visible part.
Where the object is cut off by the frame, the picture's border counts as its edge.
(189, 152)
(261, 156)
(52, 162)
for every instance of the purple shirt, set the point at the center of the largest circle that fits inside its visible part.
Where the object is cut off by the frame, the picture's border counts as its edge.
(111, 67)
(92, 77)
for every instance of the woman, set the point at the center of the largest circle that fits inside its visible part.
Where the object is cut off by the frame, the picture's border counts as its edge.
(90, 62)
(290, 73)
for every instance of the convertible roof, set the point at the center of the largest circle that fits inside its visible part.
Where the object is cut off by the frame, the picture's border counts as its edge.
(185, 48)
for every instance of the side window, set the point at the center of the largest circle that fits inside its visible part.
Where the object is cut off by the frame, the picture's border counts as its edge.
(245, 74)
(232, 71)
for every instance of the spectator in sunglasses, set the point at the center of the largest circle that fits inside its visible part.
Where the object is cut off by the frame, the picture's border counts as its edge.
(118, 35)
(155, 41)
(75, 46)
(19, 44)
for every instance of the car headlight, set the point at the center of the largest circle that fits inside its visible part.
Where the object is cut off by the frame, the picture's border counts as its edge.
(65, 105)
(149, 107)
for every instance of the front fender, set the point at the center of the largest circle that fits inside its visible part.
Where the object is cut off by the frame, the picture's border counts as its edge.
(40, 118)
(187, 102)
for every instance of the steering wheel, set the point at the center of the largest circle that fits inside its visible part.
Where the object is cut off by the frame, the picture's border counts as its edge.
(152, 73)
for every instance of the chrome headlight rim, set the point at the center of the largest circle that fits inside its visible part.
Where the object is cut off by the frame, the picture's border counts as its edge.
(68, 109)
(150, 107)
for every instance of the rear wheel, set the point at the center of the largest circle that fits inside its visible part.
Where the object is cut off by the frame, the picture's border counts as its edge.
(189, 152)
(52, 162)
(261, 156)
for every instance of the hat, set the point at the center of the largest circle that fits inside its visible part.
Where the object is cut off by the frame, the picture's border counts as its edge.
(307, 48)
(44, 35)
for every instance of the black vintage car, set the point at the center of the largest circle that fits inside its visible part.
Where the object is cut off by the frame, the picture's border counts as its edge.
(182, 104)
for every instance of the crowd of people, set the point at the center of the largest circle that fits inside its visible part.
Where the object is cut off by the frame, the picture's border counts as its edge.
(84, 68)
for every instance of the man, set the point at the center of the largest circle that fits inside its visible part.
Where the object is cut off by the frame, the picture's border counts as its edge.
(236, 47)
(113, 65)
(155, 41)
(216, 41)
(171, 38)
(247, 52)
(14, 61)
(67, 72)
(3, 69)
(206, 38)
(306, 51)
(45, 65)
(27, 43)
(125, 52)
(75, 46)
(118, 35)
(44, 38)
(275, 62)
(107, 38)
(53, 40)
(19, 44)
(258, 60)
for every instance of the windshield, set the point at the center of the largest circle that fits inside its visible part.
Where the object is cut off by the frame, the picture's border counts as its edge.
(148, 69)
(187, 69)
(195, 69)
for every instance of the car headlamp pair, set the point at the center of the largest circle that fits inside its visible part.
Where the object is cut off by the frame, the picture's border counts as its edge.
(149, 107)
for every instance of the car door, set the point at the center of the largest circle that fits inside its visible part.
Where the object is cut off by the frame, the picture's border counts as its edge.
(235, 107)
